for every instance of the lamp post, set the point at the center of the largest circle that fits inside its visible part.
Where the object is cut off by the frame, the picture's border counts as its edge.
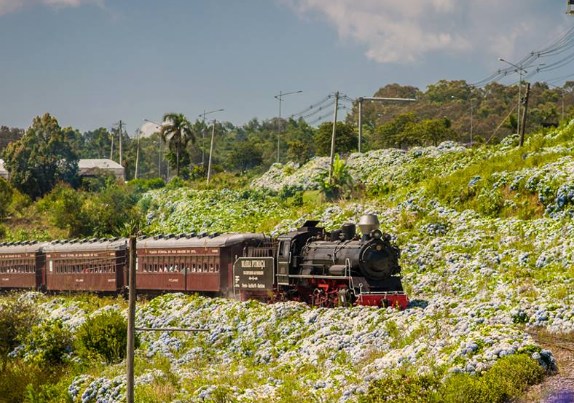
(279, 126)
(203, 134)
(520, 70)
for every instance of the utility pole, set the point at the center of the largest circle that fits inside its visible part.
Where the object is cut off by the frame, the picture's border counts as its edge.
(138, 134)
(378, 99)
(131, 320)
(203, 134)
(120, 140)
(112, 148)
(279, 125)
(333, 137)
(523, 125)
(520, 70)
(210, 152)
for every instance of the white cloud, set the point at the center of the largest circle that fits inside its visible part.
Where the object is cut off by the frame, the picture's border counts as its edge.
(9, 6)
(405, 31)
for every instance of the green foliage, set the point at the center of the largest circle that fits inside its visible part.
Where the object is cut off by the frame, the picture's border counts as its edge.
(42, 158)
(90, 214)
(340, 183)
(177, 132)
(64, 206)
(507, 379)
(345, 138)
(404, 386)
(16, 321)
(144, 185)
(22, 381)
(49, 343)
(6, 193)
(103, 336)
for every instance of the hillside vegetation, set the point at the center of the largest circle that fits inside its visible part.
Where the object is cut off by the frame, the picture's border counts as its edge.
(486, 235)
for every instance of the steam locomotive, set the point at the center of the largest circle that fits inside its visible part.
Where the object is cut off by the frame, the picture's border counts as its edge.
(309, 264)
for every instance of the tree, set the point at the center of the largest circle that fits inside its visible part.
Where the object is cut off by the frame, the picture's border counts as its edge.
(43, 157)
(390, 134)
(6, 193)
(97, 144)
(177, 132)
(345, 138)
(245, 155)
(8, 135)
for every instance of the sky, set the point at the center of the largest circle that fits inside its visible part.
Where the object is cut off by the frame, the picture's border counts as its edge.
(92, 63)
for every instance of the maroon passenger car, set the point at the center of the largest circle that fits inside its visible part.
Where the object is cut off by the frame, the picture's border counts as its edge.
(21, 265)
(97, 265)
(191, 263)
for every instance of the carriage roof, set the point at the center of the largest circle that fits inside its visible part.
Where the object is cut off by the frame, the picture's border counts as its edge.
(192, 241)
(21, 247)
(86, 245)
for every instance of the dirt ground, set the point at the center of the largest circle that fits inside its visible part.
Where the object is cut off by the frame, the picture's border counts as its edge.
(558, 388)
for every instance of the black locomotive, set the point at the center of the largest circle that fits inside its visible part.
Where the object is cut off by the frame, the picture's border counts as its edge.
(337, 268)
(311, 265)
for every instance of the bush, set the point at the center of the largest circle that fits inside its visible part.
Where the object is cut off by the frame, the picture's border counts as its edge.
(49, 343)
(406, 386)
(507, 379)
(104, 336)
(16, 321)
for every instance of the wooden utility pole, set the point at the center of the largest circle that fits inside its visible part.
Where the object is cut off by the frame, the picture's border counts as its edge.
(333, 137)
(523, 118)
(131, 320)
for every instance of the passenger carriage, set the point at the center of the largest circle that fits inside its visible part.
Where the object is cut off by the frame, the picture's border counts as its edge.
(190, 263)
(21, 265)
(97, 265)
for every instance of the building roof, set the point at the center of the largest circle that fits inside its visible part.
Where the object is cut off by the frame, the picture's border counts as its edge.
(90, 167)
(98, 164)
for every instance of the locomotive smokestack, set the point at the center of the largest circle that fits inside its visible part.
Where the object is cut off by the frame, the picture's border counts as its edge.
(368, 223)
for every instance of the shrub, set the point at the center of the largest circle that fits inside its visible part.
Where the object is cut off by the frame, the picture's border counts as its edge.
(49, 343)
(508, 378)
(406, 386)
(104, 336)
(16, 320)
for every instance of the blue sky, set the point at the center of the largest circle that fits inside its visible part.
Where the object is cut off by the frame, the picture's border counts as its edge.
(91, 63)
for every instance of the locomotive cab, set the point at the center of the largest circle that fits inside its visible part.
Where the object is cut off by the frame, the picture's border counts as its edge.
(289, 249)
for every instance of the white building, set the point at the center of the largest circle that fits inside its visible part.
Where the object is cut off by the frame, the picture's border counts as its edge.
(88, 167)
(92, 167)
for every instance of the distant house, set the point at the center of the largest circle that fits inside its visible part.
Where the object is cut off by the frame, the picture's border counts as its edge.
(3, 171)
(94, 167)
(88, 168)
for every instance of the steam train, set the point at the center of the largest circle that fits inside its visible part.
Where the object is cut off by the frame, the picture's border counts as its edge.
(309, 264)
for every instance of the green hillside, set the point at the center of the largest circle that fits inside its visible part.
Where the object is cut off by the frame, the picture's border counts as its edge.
(486, 235)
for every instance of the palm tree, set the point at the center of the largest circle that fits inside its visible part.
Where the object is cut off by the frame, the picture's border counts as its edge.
(177, 132)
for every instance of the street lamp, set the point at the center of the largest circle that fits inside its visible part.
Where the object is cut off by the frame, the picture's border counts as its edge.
(520, 70)
(203, 134)
(279, 126)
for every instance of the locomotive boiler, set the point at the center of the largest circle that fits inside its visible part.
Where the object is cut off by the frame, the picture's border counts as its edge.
(340, 268)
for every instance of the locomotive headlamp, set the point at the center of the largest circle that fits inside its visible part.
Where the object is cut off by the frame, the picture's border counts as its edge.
(377, 234)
